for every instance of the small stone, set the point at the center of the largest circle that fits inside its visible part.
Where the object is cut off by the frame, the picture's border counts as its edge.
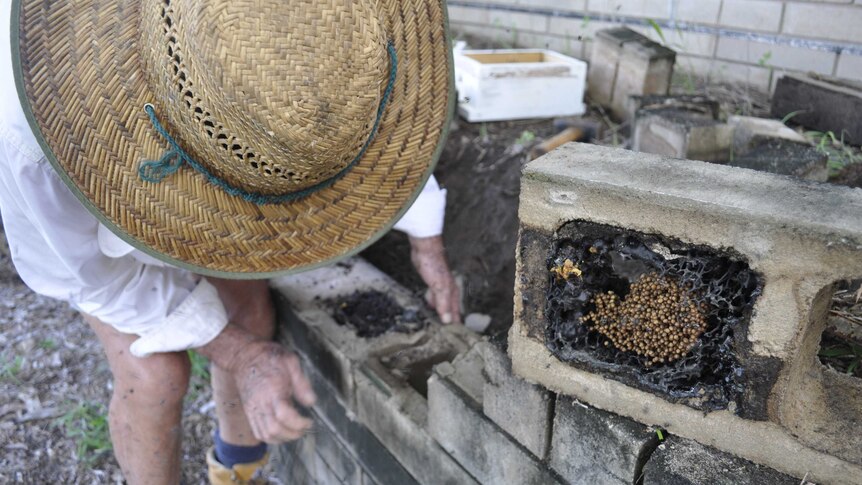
(477, 322)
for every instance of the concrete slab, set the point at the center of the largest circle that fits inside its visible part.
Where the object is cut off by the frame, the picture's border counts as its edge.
(678, 461)
(821, 103)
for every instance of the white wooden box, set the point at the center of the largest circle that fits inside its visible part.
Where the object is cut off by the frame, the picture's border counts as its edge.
(509, 84)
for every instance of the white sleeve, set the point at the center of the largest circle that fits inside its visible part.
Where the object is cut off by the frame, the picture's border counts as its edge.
(53, 241)
(425, 217)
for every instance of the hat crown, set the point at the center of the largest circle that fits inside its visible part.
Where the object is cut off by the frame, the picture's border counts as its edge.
(270, 96)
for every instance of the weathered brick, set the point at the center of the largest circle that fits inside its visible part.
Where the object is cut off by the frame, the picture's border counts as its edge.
(456, 421)
(759, 15)
(823, 21)
(682, 134)
(697, 11)
(645, 67)
(820, 104)
(594, 446)
(522, 409)
(769, 55)
(679, 461)
(849, 66)
(604, 62)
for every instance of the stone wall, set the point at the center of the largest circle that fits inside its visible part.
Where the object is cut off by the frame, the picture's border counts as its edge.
(748, 41)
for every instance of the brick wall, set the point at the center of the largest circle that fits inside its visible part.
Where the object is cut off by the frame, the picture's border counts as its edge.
(747, 41)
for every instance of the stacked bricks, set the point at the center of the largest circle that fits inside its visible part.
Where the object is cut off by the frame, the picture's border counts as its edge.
(792, 413)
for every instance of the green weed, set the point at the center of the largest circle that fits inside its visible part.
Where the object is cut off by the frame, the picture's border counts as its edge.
(87, 425)
(200, 374)
(848, 353)
(838, 153)
(764, 59)
(655, 26)
(9, 370)
(526, 138)
(47, 344)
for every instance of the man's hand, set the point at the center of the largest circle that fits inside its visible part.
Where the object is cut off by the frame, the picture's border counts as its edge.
(429, 258)
(270, 383)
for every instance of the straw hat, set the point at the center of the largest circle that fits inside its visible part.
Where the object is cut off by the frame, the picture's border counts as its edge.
(240, 138)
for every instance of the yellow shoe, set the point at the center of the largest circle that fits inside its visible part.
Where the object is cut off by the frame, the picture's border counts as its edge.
(240, 474)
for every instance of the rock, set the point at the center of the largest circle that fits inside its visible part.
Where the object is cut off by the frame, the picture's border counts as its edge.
(477, 322)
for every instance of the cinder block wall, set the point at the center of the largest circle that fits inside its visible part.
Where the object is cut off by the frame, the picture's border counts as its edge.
(747, 41)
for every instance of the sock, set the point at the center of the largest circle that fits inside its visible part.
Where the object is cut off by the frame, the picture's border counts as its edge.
(230, 455)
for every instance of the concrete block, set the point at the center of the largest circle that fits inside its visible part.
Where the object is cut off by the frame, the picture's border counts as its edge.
(849, 66)
(783, 157)
(396, 412)
(307, 325)
(705, 106)
(678, 461)
(456, 421)
(354, 439)
(604, 61)
(823, 21)
(772, 55)
(682, 133)
(823, 104)
(521, 409)
(645, 67)
(759, 15)
(593, 446)
(788, 411)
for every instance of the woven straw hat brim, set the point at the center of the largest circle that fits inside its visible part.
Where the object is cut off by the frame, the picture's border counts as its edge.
(80, 79)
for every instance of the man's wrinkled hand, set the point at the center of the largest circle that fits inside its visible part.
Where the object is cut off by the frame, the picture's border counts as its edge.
(270, 382)
(444, 296)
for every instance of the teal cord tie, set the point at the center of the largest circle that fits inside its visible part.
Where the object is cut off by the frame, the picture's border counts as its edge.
(156, 170)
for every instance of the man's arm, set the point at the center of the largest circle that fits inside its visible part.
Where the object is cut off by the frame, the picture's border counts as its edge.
(270, 383)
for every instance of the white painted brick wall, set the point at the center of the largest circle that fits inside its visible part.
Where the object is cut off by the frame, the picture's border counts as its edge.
(836, 21)
(636, 8)
(698, 11)
(849, 67)
(757, 15)
(520, 21)
(766, 55)
(824, 21)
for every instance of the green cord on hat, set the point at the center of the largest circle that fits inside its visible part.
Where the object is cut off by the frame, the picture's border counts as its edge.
(156, 170)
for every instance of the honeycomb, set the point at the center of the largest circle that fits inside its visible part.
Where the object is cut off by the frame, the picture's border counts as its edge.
(650, 311)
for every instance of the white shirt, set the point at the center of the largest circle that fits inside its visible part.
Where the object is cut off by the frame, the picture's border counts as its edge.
(61, 250)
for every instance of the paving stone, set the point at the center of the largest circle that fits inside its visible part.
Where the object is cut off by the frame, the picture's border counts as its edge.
(594, 446)
(821, 103)
(521, 409)
(678, 461)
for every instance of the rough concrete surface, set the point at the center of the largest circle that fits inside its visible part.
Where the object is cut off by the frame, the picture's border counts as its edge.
(678, 461)
(761, 442)
(479, 445)
(522, 409)
(593, 446)
(397, 415)
(820, 103)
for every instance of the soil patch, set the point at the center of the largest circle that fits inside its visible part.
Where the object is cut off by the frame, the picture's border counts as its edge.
(372, 313)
